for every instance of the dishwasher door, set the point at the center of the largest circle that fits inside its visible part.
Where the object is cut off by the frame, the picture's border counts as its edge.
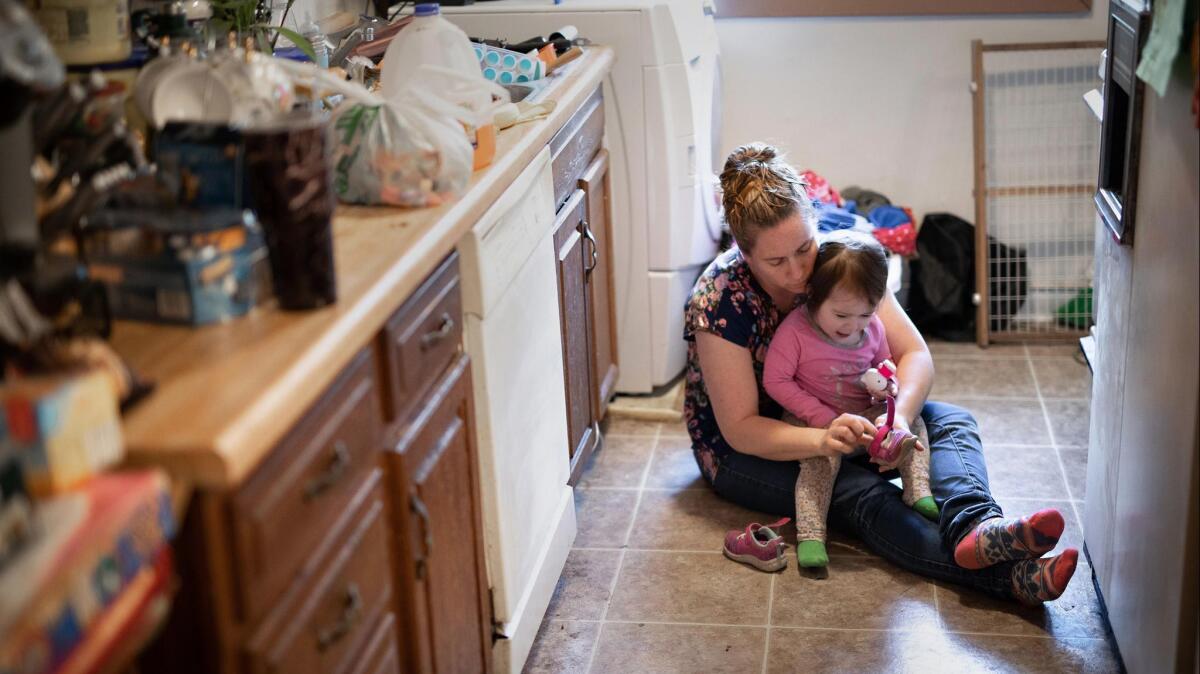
(510, 298)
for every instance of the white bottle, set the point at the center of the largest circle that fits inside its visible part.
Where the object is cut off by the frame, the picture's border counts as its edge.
(431, 40)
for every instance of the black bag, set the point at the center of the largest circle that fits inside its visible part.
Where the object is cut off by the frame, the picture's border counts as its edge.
(942, 279)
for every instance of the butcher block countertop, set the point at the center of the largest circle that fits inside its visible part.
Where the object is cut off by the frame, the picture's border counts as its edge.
(226, 394)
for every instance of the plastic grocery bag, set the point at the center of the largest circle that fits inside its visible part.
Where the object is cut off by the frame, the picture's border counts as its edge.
(412, 151)
(378, 159)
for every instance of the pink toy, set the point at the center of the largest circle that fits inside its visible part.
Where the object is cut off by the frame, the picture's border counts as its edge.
(889, 443)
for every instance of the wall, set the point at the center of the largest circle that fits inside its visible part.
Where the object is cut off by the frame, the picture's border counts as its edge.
(879, 102)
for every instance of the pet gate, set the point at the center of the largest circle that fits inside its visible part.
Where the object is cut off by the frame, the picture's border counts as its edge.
(1036, 157)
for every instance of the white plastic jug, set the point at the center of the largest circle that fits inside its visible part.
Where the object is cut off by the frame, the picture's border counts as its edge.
(428, 40)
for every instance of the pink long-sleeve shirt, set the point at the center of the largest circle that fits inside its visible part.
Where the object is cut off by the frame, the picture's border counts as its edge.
(816, 379)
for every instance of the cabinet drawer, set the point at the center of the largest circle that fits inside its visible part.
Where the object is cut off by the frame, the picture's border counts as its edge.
(382, 654)
(288, 506)
(422, 338)
(572, 148)
(324, 626)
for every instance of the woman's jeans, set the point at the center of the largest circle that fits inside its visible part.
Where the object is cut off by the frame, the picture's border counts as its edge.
(866, 505)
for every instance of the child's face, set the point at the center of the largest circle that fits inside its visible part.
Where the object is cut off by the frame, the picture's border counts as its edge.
(844, 315)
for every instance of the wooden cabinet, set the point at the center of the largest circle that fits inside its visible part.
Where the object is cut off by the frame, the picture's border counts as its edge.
(599, 279)
(583, 243)
(573, 263)
(433, 483)
(321, 561)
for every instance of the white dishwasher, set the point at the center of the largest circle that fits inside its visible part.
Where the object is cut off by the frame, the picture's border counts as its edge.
(510, 302)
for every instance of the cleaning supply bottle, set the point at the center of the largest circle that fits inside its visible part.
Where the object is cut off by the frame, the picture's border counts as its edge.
(429, 39)
(319, 43)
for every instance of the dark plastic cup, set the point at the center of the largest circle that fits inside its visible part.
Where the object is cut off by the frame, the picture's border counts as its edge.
(291, 190)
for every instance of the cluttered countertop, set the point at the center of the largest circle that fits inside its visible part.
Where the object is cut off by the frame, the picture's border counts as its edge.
(225, 394)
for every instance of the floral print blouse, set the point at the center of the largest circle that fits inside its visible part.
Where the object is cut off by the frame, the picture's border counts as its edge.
(726, 301)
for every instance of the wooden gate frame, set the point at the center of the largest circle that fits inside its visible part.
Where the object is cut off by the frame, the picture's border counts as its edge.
(982, 283)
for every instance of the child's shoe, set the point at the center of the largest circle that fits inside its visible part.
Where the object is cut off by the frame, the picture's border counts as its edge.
(759, 546)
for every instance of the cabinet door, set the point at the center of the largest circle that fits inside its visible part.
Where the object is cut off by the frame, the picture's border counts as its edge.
(445, 616)
(599, 280)
(573, 303)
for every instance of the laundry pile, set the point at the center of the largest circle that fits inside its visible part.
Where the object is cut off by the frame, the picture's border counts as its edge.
(862, 210)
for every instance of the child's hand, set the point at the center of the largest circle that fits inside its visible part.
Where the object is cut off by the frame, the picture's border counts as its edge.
(846, 434)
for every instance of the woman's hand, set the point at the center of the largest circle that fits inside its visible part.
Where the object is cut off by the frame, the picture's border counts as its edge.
(846, 434)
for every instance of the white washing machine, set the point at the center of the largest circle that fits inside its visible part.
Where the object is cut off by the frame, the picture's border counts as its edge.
(662, 109)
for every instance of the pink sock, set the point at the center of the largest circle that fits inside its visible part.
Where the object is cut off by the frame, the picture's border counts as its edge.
(1000, 540)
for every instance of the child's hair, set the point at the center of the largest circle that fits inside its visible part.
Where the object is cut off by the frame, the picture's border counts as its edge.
(758, 190)
(854, 261)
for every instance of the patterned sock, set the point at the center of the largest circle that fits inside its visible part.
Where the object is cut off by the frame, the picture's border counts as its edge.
(928, 508)
(1035, 581)
(999, 540)
(811, 554)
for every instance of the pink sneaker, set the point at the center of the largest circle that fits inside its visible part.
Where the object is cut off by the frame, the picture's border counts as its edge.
(759, 546)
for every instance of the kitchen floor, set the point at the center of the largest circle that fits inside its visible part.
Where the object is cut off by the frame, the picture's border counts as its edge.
(646, 588)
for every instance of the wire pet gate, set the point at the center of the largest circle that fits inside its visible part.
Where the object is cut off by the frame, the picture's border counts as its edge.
(1036, 156)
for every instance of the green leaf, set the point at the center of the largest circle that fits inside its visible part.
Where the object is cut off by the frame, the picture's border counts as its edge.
(300, 41)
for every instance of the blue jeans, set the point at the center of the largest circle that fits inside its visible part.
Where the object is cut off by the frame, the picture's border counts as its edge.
(867, 506)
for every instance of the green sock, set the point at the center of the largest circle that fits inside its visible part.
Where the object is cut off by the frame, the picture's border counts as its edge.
(812, 554)
(927, 508)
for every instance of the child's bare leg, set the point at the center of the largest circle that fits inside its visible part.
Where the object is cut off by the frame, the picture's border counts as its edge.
(914, 474)
(814, 488)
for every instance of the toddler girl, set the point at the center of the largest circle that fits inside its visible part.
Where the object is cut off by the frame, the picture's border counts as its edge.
(814, 368)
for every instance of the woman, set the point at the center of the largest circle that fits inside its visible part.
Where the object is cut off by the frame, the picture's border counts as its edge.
(750, 457)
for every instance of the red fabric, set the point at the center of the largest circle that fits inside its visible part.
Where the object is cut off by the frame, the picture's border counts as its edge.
(901, 239)
(820, 189)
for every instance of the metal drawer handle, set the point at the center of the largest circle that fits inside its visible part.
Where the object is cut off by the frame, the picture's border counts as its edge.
(429, 339)
(332, 473)
(418, 506)
(351, 612)
(587, 234)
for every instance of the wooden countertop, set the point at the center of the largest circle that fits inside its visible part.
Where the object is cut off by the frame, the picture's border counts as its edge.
(227, 393)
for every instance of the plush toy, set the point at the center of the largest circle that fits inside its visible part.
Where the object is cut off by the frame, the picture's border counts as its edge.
(880, 381)
(890, 443)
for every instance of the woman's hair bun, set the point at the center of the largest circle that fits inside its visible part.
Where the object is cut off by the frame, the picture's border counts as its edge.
(758, 190)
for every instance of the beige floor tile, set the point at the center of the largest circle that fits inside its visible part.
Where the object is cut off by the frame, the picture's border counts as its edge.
(582, 590)
(1075, 614)
(616, 425)
(674, 465)
(685, 649)
(1072, 533)
(689, 587)
(1075, 462)
(859, 593)
(692, 519)
(858, 652)
(1024, 655)
(1062, 350)
(603, 517)
(619, 463)
(562, 648)
(1029, 472)
(1007, 422)
(970, 377)
(1069, 421)
(1062, 378)
(972, 350)
(676, 429)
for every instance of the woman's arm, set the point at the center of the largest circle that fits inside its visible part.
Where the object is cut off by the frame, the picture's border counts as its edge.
(728, 373)
(914, 365)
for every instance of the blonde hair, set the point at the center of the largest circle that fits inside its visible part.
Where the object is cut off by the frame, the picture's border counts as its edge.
(759, 189)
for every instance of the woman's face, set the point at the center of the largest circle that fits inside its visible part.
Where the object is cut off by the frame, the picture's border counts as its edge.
(783, 256)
